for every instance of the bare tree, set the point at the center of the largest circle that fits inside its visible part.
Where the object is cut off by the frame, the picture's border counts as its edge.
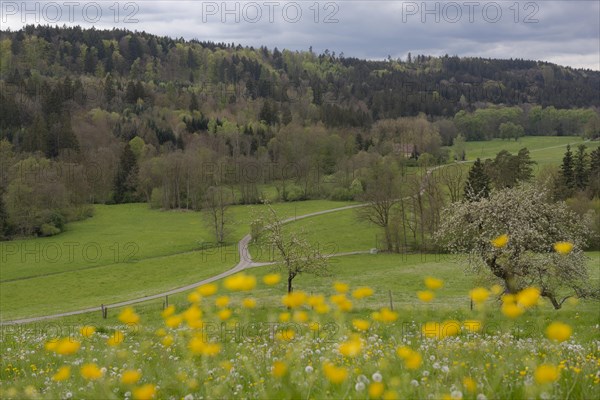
(291, 251)
(216, 204)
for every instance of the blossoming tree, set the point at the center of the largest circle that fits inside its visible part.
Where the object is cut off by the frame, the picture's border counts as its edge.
(513, 233)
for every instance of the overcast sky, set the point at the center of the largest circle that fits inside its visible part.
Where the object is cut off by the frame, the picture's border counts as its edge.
(563, 32)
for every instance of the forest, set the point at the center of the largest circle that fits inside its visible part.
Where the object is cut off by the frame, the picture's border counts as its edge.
(112, 116)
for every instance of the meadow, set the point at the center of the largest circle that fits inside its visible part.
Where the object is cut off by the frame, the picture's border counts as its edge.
(377, 326)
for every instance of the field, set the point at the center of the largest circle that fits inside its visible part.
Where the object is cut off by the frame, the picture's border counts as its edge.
(121, 253)
(544, 150)
(375, 327)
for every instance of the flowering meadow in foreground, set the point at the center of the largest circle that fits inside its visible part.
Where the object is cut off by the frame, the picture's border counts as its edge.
(308, 346)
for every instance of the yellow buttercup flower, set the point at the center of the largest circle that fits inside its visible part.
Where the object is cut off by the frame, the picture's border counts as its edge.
(174, 321)
(334, 374)
(479, 295)
(194, 297)
(198, 346)
(351, 348)
(167, 340)
(272, 279)
(129, 316)
(285, 335)
(469, 384)
(563, 248)
(130, 377)
(207, 290)
(376, 390)
(449, 328)
(500, 241)
(512, 310)
(67, 346)
(116, 338)
(91, 372)
(341, 287)
(62, 374)
(558, 331)
(362, 292)
(249, 302)
(144, 392)
(279, 369)
(361, 324)
(300, 316)
(425, 296)
(497, 289)
(528, 297)
(433, 283)
(222, 301)
(294, 299)
(285, 317)
(167, 312)
(342, 302)
(412, 359)
(546, 373)
(87, 331)
(385, 315)
(224, 314)
(240, 282)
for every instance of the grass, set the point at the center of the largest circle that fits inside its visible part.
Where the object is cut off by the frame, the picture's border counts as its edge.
(123, 252)
(544, 150)
(250, 358)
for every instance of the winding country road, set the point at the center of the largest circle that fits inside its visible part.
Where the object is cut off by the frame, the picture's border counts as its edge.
(244, 256)
(244, 263)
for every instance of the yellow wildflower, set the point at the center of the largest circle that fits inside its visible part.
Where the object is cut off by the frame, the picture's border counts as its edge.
(279, 369)
(361, 324)
(294, 299)
(425, 296)
(469, 384)
(351, 348)
(558, 331)
(240, 282)
(341, 287)
(528, 297)
(362, 292)
(67, 346)
(222, 301)
(479, 295)
(512, 310)
(62, 374)
(167, 312)
(546, 373)
(249, 302)
(144, 392)
(128, 316)
(90, 371)
(207, 290)
(130, 377)
(224, 314)
(500, 241)
(116, 338)
(87, 331)
(272, 279)
(334, 374)
(563, 248)
(433, 283)
(376, 390)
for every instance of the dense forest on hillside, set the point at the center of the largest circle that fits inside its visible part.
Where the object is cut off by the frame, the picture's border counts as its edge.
(110, 116)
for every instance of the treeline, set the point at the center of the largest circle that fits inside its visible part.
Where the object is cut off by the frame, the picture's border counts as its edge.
(94, 116)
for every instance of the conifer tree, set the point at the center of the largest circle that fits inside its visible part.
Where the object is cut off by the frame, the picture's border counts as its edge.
(478, 182)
